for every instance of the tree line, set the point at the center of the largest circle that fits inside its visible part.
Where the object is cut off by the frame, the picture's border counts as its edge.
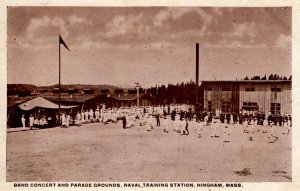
(173, 93)
(270, 77)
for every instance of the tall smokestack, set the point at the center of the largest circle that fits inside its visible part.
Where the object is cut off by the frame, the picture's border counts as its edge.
(197, 72)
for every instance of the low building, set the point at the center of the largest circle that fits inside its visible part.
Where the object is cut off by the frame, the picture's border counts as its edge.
(126, 100)
(268, 96)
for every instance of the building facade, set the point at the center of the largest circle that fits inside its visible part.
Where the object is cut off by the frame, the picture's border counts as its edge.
(268, 96)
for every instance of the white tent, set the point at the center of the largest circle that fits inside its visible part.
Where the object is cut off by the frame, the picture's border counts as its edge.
(41, 102)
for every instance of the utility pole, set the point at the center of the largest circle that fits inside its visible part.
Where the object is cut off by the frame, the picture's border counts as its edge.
(197, 75)
(137, 93)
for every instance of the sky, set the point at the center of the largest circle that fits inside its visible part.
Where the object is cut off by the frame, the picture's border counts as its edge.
(149, 45)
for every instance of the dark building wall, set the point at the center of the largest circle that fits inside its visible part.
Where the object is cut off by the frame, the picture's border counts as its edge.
(235, 105)
(220, 96)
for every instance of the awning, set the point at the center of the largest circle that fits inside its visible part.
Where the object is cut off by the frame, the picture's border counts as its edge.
(41, 103)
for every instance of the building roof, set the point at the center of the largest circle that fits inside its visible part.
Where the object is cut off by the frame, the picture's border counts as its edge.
(13, 100)
(125, 97)
(41, 103)
(77, 97)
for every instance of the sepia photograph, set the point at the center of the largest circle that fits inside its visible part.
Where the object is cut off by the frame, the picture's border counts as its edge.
(149, 94)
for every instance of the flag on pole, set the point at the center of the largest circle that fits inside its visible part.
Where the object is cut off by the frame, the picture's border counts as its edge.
(61, 41)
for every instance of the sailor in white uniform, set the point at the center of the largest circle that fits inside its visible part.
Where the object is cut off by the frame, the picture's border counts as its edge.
(31, 121)
(91, 115)
(226, 133)
(97, 115)
(23, 120)
(86, 116)
(82, 117)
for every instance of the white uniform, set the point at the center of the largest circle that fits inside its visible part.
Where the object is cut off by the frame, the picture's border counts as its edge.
(231, 119)
(214, 128)
(150, 123)
(200, 128)
(31, 121)
(36, 122)
(78, 119)
(68, 118)
(97, 115)
(165, 124)
(42, 121)
(206, 120)
(86, 116)
(226, 133)
(265, 123)
(23, 121)
(182, 126)
(63, 120)
(82, 117)
(286, 127)
(91, 114)
(105, 117)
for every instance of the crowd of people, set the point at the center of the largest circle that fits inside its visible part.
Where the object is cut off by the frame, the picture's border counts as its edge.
(176, 117)
(39, 121)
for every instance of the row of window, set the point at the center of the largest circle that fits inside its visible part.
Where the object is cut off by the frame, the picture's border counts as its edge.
(274, 109)
(249, 104)
(252, 89)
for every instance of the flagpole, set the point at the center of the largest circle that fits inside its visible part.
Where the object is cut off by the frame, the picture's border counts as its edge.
(197, 76)
(59, 78)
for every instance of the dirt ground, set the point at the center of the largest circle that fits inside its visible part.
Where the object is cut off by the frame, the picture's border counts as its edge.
(108, 153)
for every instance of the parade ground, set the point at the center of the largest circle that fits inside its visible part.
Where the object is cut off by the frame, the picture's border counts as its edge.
(109, 153)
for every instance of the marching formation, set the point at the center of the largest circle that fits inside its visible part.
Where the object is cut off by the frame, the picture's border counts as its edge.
(176, 118)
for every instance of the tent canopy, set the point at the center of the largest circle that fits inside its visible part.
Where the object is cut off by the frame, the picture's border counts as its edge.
(41, 103)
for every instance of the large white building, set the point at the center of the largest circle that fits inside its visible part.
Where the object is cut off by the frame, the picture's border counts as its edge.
(274, 96)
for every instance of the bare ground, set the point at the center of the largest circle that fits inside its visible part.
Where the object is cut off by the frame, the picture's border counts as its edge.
(108, 153)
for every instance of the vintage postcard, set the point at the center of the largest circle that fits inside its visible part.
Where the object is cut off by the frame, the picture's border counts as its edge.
(150, 96)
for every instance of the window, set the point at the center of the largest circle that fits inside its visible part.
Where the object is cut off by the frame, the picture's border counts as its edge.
(209, 106)
(226, 89)
(251, 89)
(275, 108)
(225, 106)
(250, 106)
(273, 89)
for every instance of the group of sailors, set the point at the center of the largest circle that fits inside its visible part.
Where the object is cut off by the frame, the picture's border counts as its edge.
(155, 116)
(255, 123)
(37, 121)
(106, 115)
(176, 117)
(249, 124)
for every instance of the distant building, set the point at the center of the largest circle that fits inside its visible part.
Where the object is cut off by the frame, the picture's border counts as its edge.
(104, 91)
(72, 90)
(88, 91)
(126, 100)
(268, 96)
